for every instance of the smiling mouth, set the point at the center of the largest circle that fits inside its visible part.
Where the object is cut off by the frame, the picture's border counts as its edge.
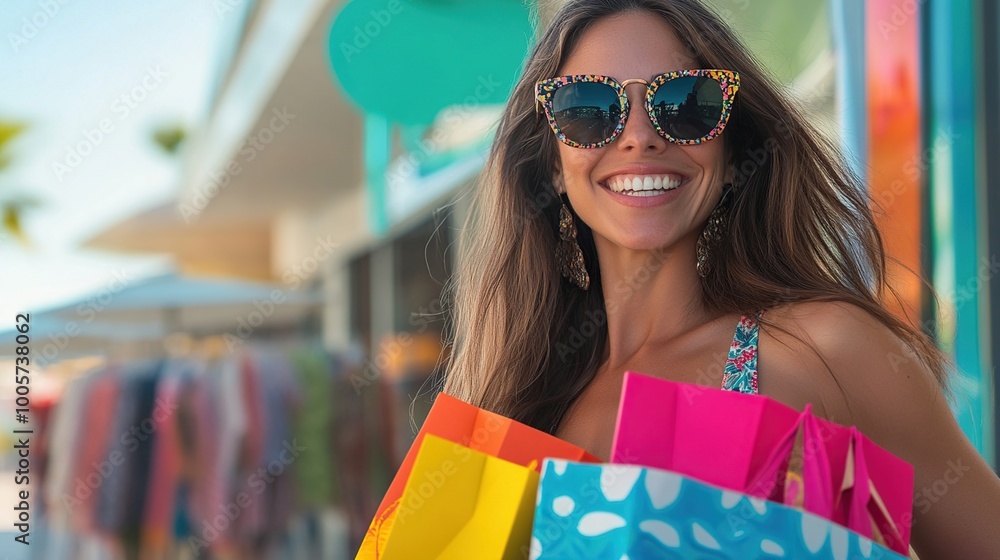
(642, 185)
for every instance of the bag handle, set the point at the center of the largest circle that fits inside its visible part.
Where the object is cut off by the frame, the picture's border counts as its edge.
(817, 484)
(769, 482)
(860, 504)
(380, 527)
(853, 501)
(817, 478)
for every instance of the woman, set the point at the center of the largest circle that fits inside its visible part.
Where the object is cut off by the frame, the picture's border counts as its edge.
(677, 238)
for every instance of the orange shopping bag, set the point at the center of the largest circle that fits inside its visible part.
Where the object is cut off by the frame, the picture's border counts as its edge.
(460, 422)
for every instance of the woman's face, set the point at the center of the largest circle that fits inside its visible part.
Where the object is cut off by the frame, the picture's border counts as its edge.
(639, 45)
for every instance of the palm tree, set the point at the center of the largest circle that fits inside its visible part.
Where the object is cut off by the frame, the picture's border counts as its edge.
(169, 138)
(12, 206)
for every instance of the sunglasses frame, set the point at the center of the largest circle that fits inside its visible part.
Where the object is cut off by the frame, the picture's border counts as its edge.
(729, 80)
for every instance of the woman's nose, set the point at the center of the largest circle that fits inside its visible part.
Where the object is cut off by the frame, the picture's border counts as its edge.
(639, 131)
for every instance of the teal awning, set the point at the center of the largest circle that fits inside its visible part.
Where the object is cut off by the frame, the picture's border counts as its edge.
(401, 62)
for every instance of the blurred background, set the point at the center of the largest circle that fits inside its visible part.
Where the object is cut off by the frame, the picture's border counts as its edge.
(230, 223)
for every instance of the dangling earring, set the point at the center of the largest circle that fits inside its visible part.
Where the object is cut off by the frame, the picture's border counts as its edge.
(714, 231)
(569, 256)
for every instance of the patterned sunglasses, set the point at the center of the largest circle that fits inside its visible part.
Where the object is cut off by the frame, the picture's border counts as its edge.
(686, 106)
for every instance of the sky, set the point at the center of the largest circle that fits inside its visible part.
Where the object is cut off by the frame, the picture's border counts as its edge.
(92, 81)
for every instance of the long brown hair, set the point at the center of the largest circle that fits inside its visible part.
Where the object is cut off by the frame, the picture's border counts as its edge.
(801, 227)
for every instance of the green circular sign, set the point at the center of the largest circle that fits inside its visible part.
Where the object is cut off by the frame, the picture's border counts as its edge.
(406, 60)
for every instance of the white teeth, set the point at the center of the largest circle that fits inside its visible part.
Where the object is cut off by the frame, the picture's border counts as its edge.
(644, 193)
(642, 185)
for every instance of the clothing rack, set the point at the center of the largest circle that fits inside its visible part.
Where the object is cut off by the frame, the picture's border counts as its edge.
(232, 415)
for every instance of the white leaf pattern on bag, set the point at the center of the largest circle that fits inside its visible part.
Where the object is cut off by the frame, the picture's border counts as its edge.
(536, 549)
(563, 506)
(866, 547)
(599, 522)
(663, 488)
(760, 506)
(617, 482)
(838, 542)
(704, 538)
(730, 499)
(662, 532)
(814, 532)
(772, 548)
(619, 529)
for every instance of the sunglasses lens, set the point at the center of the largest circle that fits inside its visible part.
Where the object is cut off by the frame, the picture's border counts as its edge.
(688, 108)
(586, 112)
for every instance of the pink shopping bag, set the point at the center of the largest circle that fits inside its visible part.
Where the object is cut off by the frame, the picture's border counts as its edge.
(845, 478)
(720, 437)
(746, 442)
(878, 494)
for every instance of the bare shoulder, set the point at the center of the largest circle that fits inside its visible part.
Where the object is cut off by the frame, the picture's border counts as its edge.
(856, 371)
(830, 323)
(831, 354)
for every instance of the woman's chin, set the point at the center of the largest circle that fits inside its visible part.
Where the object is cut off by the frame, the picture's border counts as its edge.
(642, 243)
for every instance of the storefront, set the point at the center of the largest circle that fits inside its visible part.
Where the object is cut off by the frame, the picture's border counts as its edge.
(897, 82)
(990, 84)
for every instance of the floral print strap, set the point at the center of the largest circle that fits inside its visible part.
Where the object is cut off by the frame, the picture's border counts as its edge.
(741, 366)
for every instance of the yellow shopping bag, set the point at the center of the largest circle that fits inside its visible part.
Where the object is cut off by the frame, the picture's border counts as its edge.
(483, 431)
(459, 503)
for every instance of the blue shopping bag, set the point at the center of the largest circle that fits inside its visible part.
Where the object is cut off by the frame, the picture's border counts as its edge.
(630, 512)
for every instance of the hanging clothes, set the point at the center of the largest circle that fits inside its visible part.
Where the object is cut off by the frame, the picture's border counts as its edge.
(210, 457)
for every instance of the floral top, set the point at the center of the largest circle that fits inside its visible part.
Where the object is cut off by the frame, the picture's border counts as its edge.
(741, 366)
